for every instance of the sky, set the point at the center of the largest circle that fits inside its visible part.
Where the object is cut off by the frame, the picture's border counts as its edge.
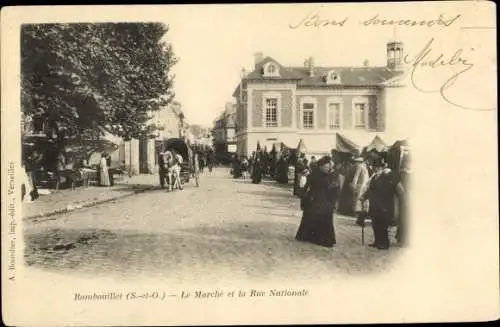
(213, 43)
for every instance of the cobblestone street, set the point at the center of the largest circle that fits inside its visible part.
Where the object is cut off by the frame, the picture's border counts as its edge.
(224, 226)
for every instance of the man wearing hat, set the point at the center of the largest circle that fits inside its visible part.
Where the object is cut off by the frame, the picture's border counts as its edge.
(358, 185)
(380, 193)
(162, 166)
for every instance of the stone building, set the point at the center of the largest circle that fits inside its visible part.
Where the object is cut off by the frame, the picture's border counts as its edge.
(224, 132)
(277, 103)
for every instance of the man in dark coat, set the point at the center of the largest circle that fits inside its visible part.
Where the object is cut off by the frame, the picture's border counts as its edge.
(380, 193)
(257, 169)
(161, 168)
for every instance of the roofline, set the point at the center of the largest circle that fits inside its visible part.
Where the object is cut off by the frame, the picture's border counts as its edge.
(341, 67)
(339, 86)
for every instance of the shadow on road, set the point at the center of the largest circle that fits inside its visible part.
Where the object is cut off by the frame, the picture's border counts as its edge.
(145, 187)
(258, 250)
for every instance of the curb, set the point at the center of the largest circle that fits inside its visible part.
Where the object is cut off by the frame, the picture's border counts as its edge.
(83, 205)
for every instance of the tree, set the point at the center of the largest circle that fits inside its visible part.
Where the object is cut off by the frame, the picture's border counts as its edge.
(108, 77)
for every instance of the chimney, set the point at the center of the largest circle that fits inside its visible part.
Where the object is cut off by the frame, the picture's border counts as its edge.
(366, 63)
(258, 58)
(311, 66)
(395, 55)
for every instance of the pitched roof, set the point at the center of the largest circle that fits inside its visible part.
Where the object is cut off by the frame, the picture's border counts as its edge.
(349, 76)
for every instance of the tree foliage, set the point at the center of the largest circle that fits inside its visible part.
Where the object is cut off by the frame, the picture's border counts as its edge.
(109, 76)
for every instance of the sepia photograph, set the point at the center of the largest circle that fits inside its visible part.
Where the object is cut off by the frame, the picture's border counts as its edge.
(258, 188)
(161, 144)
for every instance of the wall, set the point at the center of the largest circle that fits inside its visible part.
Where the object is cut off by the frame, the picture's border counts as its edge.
(286, 106)
(132, 159)
(169, 120)
(347, 113)
(241, 144)
(398, 112)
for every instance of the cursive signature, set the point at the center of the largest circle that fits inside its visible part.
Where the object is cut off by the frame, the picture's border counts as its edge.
(427, 58)
(312, 19)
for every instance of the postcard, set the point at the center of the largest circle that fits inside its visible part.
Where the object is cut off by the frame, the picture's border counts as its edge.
(249, 164)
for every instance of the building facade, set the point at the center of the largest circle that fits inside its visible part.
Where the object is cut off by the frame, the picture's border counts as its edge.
(224, 132)
(137, 155)
(142, 154)
(285, 104)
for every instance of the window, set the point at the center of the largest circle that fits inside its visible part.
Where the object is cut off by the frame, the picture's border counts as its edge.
(271, 114)
(271, 69)
(334, 115)
(308, 115)
(333, 77)
(360, 115)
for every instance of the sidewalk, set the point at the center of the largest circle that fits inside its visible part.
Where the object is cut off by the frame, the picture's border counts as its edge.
(68, 200)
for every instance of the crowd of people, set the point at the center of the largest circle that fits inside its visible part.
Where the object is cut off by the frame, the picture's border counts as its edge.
(62, 168)
(364, 187)
(261, 163)
(375, 188)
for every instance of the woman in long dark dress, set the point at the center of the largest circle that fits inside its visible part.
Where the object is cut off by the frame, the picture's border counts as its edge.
(321, 193)
(257, 170)
(236, 167)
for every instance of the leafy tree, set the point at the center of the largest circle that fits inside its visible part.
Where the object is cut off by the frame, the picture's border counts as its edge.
(108, 77)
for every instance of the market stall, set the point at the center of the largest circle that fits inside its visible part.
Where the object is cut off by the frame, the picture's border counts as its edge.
(343, 152)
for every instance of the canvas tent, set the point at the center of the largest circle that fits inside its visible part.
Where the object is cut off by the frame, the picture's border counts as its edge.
(344, 147)
(301, 147)
(376, 144)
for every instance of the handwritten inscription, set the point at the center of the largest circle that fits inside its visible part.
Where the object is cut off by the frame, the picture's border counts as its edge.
(439, 21)
(314, 19)
(429, 58)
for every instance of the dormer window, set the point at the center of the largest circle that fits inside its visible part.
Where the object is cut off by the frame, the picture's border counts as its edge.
(333, 78)
(271, 69)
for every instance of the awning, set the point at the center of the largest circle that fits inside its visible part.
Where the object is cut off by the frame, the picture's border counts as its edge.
(301, 147)
(400, 143)
(344, 145)
(376, 144)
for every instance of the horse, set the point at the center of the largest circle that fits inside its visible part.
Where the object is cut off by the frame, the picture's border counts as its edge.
(169, 164)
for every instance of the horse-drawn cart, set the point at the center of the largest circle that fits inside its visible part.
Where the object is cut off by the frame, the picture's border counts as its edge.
(181, 147)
